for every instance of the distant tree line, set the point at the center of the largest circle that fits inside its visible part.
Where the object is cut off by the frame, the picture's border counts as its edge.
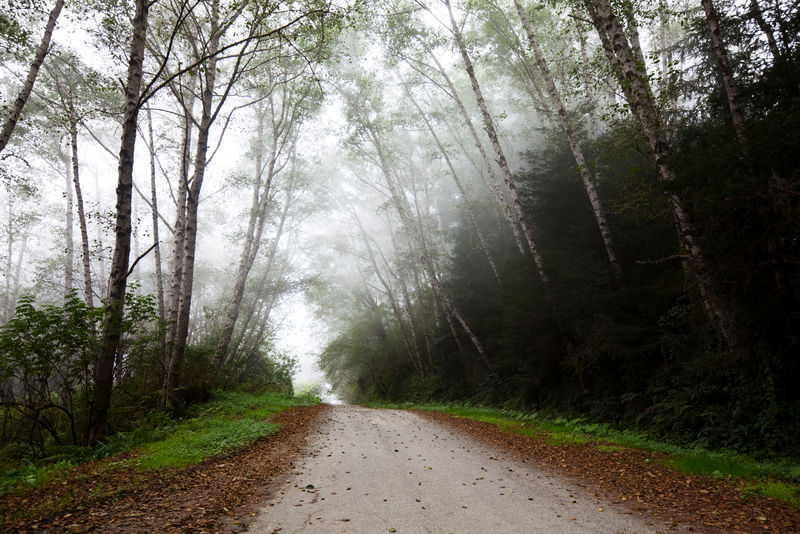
(638, 264)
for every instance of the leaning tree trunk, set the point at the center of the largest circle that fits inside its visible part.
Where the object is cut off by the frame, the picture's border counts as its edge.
(400, 204)
(728, 81)
(88, 293)
(262, 186)
(633, 81)
(118, 278)
(574, 145)
(493, 183)
(408, 334)
(30, 80)
(766, 29)
(491, 131)
(464, 193)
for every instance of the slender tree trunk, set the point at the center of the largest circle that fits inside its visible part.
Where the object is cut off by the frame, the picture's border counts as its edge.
(633, 32)
(574, 145)
(665, 55)
(88, 293)
(30, 80)
(494, 183)
(176, 259)
(112, 322)
(464, 193)
(154, 210)
(400, 203)
(260, 287)
(766, 29)
(137, 271)
(192, 201)
(491, 131)
(258, 212)
(728, 81)
(588, 87)
(633, 81)
(69, 249)
(99, 238)
(8, 303)
(409, 338)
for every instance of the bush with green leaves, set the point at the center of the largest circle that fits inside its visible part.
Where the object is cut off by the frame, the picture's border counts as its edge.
(46, 364)
(45, 358)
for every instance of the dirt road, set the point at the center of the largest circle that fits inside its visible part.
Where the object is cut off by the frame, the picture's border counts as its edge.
(373, 471)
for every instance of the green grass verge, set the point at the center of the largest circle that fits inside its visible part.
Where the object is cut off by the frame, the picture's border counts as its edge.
(229, 421)
(779, 480)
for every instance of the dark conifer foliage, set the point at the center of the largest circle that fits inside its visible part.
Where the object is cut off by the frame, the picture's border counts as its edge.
(642, 353)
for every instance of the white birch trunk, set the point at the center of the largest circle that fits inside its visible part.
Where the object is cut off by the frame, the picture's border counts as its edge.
(728, 81)
(69, 246)
(574, 145)
(88, 292)
(633, 81)
(464, 193)
(491, 131)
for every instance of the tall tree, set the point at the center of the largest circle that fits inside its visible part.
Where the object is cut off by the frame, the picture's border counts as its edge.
(589, 183)
(632, 77)
(112, 322)
(284, 107)
(491, 131)
(726, 71)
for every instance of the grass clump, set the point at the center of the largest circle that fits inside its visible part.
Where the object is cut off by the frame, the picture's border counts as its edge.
(717, 465)
(228, 421)
(777, 489)
(189, 446)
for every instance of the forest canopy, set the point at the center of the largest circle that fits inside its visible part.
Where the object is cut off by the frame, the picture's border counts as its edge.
(590, 207)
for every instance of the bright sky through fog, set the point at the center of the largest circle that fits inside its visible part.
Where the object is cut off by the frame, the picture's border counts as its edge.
(301, 336)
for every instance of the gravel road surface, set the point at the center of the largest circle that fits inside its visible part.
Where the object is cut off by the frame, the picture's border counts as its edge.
(374, 471)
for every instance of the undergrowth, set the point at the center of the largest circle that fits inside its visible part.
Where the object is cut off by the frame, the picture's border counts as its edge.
(228, 421)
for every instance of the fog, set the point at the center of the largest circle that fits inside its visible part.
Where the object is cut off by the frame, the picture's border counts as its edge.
(410, 201)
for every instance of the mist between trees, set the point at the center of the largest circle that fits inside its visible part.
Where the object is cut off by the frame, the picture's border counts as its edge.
(590, 207)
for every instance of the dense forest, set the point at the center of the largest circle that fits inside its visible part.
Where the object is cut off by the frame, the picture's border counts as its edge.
(589, 207)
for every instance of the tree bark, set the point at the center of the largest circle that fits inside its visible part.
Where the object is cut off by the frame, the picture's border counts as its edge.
(588, 88)
(282, 128)
(493, 184)
(408, 334)
(118, 277)
(401, 206)
(69, 247)
(574, 145)
(30, 80)
(766, 29)
(154, 210)
(88, 292)
(728, 82)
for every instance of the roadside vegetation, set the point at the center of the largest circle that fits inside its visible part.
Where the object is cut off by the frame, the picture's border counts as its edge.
(635, 262)
(776, 479)
(228, 421)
